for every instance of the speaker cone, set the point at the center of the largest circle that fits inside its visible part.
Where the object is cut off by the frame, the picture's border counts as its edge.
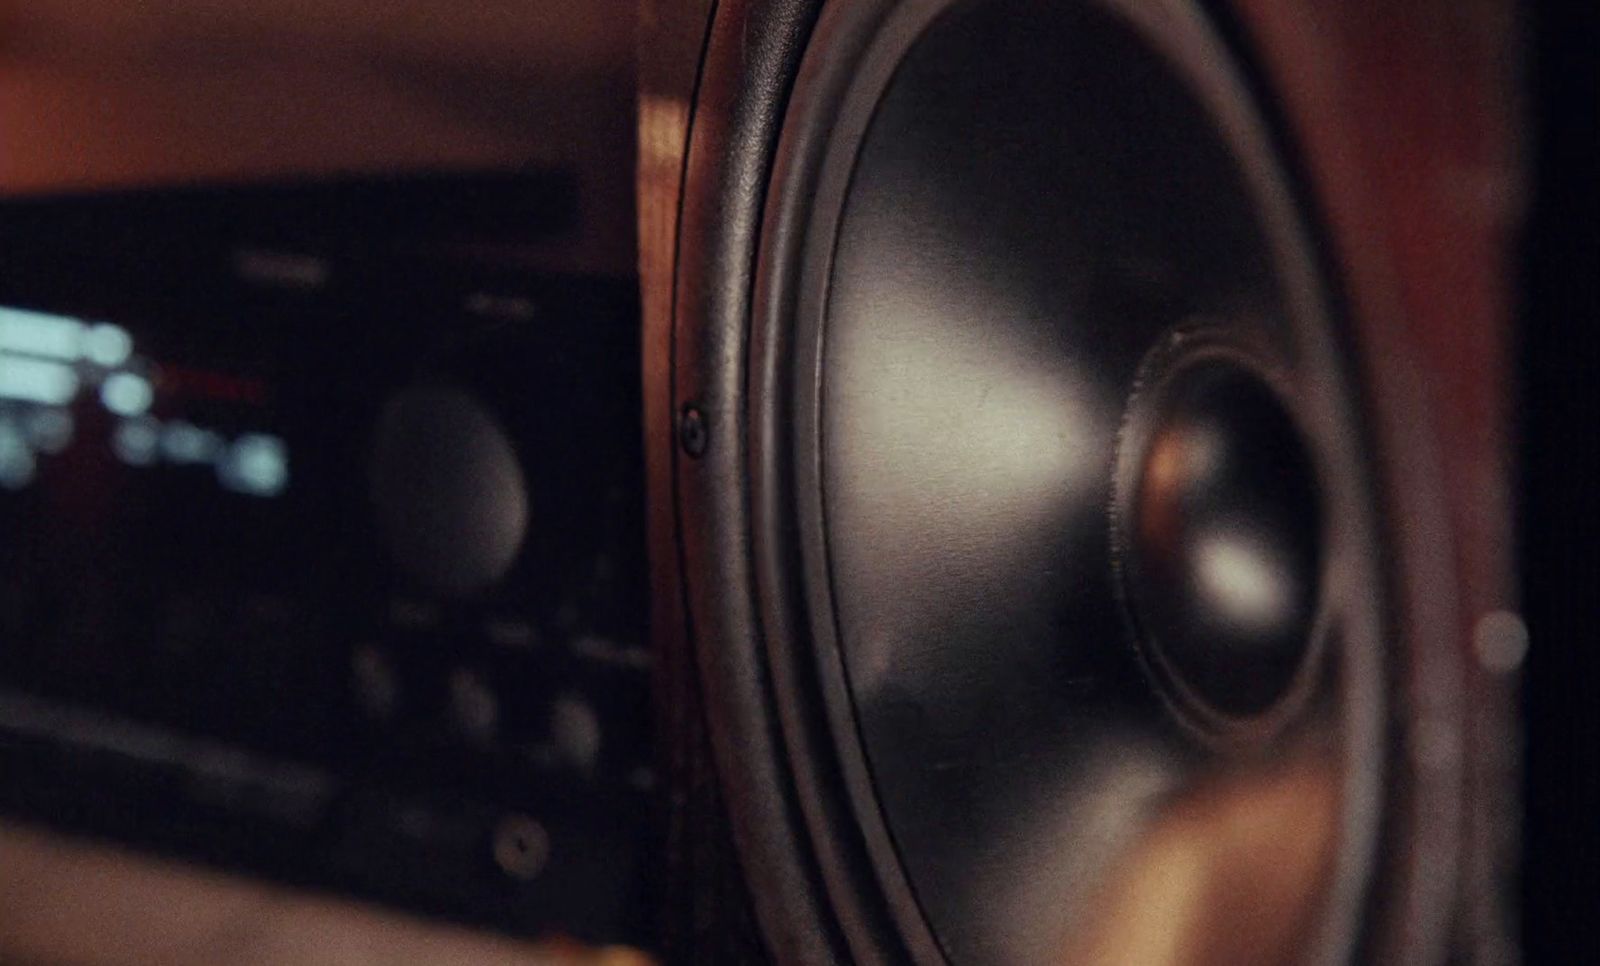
(1080, 527)
(1035, 534)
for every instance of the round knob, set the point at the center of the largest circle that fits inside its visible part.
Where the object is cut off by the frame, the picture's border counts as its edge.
(451, 497)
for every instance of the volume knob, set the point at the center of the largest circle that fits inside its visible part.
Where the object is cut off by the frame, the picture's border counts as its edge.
(451, 498)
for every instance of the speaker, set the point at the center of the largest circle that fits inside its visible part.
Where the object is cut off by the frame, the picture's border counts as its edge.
(1077, 438)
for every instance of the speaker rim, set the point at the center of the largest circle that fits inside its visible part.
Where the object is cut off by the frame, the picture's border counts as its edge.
(699, 513)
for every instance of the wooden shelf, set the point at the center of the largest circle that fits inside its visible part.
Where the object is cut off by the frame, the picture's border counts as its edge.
(65, 902)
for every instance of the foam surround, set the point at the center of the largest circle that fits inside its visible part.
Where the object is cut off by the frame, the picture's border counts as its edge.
(1030, 505)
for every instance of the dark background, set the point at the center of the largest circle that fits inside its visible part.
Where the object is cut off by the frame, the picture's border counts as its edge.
(1560, 345)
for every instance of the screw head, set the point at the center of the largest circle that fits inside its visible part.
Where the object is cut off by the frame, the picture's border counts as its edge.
(693, 434)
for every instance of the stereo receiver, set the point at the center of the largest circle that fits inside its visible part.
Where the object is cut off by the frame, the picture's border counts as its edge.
(323, 547)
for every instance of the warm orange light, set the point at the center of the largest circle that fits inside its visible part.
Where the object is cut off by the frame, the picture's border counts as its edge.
(1234, 872)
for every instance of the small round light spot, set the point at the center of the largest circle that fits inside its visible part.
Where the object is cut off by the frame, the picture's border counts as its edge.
(255, 465)
(184, 442)
(136, 441)
(107, 345)
(127, 394)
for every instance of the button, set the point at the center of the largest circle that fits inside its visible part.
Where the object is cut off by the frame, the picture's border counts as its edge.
(521, 846)
(576, 730)
(376, 685)
(473, 706)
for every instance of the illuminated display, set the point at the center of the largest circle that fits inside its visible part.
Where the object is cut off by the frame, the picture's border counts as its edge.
(48, 363)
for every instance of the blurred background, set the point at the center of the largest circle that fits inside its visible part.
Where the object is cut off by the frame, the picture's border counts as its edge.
(101, 94)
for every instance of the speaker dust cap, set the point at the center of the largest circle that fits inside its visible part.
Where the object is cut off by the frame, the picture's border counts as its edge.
(1084, 540)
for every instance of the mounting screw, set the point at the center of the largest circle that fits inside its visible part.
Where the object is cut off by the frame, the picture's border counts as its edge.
(692, 432)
